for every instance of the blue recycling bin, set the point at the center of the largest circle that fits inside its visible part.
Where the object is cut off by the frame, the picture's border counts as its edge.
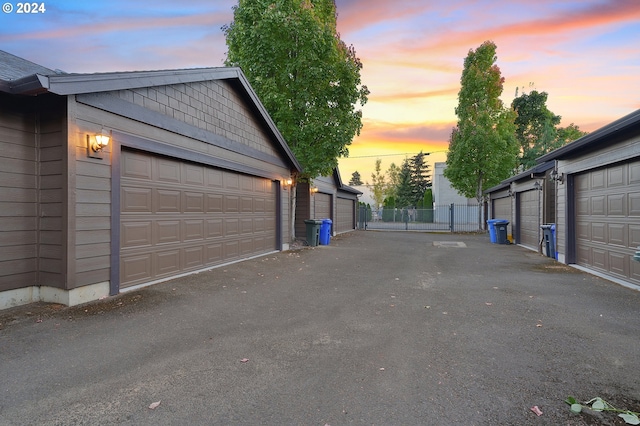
(325, 232)
(549, 240)
(491, 223)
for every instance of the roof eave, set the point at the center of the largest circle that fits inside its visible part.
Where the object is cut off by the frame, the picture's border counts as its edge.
(31, 85)
(579, 145)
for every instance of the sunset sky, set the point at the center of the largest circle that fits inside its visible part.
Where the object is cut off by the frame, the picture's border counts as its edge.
(584, 53)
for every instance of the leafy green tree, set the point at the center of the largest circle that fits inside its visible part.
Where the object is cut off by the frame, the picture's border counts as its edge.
(355, 179)
(483, 149)
(378, 184)
(535, 127)
(569, 134)
(307, 78)
(393, 175)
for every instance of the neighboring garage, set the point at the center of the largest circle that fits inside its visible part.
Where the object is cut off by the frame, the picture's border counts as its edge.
(194, 175)
(326, 198)
(607, 207)
(528, 217)
(598, 200)
(346, 214)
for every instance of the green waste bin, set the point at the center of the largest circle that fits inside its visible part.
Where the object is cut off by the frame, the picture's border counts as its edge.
(313, 231)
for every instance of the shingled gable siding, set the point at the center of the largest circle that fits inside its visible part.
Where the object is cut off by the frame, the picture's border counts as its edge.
(211, 105)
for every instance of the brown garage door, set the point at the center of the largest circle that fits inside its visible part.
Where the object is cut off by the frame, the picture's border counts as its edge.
(608, 219)
(529, 218)
(345, 215)
(178, 217)
(501, 208)
(322, 206)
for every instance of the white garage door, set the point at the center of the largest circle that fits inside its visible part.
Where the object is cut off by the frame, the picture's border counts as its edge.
(607, 205)
(178, 216)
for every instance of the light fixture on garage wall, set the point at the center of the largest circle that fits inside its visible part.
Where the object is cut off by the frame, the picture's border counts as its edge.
(537, 186)
(97, 142)
(555, 177)
(287, 182)
(313, 189)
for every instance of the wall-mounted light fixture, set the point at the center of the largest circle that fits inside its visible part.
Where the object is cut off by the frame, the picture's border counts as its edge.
(287, 182)
(537, 186)
(555, 177)
(313, 189)
(97, 142)
(511, 194)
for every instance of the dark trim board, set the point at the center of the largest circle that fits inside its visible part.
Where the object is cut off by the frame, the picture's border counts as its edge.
(154, 147)
(114, 283)
(127, 109)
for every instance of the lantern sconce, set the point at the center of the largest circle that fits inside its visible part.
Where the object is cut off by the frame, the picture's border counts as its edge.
(96, 144)
(555, 177)
(287, 183)
(313, 190)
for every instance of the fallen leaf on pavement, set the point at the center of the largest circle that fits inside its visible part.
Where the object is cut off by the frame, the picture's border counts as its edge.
(154, 405)
(244, 360)
(536, 410)
(488, 303)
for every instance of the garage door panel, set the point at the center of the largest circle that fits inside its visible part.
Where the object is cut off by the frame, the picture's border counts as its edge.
(214, 178)
(167, 201)
(231, 227)
(597, 205)
(231, 204)
(136, 234)
(598, 232)
(136, 199)
(618, 263)
(214, 253)
(193, 202)
(193, 229)
(231, 249)
(167, 231)
(246, 205)
(607, 231)
(214, 228)
(187, 217)
(194, 175)
(634, 173)
(137, 166)
(634, 204)
(616, 176)
(616, 204)
(136, 268)
(167, 262)
(214, 203)
(634, 235)
(168, 171)
(617, 234)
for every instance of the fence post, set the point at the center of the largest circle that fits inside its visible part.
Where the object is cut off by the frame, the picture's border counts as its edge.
(451, 216)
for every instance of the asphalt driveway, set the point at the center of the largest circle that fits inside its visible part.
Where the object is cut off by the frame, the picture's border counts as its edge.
(378, 328)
